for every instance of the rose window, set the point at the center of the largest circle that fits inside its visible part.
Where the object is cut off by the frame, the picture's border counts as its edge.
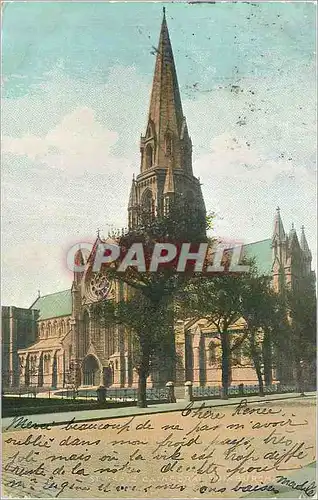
(99, 285)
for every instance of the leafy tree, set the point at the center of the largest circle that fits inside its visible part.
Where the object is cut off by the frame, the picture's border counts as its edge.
(276, 337)
(147, 311)
(150, 324)
(265, 318)
(301, 305)
(218, 299)
(224, 299)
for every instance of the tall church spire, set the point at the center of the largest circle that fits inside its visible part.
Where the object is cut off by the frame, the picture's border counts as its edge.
(166, 135)
(166, 148)
(165, 99)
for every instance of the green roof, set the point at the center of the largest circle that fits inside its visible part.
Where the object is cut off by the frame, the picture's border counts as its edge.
(54, 305)
(263, 254)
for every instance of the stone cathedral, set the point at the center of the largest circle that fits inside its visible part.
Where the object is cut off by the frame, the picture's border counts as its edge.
(60, 340)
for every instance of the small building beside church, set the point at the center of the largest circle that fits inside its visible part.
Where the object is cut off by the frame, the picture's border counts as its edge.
(18, 331)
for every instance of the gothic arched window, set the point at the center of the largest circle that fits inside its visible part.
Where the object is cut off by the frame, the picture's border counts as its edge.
(212, 353)
(147, 201)
(33, 365)
(149, 156)
(168, 145)
(54, 330)
(47, 362)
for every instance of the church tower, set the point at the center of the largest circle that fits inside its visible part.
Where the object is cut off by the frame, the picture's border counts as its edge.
(166, 147)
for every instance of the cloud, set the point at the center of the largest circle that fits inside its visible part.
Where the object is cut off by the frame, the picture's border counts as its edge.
(29, 145)
(79, 143)
(254, 148)
(31, 261)
(276, 115)
(119, 105)
(233, 157)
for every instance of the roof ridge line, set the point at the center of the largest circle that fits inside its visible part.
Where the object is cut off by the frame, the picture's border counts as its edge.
(258, 241)
(54, 293)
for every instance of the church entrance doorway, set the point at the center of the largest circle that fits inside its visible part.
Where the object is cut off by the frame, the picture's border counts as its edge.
(91, 371)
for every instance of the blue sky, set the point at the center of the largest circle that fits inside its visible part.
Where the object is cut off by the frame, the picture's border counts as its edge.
(77, 80)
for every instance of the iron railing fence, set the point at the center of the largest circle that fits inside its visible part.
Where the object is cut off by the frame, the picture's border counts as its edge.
(112, 394)
(211, 392)
(153, 394)
(120, 394)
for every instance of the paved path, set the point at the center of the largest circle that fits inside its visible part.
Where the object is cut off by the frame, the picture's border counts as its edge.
(81, 416)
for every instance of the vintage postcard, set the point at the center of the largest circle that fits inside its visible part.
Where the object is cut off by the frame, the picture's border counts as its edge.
(159, 249)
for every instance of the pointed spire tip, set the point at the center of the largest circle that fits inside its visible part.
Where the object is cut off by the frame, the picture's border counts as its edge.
(278, 226)
(304, 244)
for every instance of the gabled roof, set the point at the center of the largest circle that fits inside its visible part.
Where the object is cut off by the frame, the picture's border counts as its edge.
(44, 344)
(262, 251)
(54, 305)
